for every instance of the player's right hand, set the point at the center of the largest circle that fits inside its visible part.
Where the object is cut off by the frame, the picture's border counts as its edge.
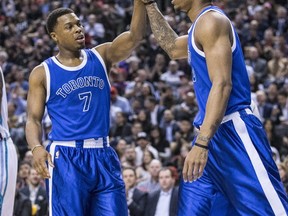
(40, 156)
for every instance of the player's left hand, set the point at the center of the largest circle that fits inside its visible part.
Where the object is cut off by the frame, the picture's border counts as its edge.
(194, 164)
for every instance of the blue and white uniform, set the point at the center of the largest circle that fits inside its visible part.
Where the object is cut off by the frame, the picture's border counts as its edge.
(86, 179)
(8, 160)
(240, 177)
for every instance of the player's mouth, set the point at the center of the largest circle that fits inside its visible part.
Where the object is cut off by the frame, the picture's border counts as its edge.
(80, 38)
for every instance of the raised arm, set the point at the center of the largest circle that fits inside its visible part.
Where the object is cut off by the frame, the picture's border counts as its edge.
(35, 110)
(123, 45)
(174, 46)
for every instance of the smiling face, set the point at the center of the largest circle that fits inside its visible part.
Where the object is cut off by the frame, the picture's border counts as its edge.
(69, 32)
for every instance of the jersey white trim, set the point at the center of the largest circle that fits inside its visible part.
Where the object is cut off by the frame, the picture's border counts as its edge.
(200, 52)
(102, 62)
(48, 81)
(4, 128)
(83, 63)
(52, 152)
(259, 168)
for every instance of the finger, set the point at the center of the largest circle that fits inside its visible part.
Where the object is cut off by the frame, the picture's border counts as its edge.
(50, 160)
(195, 171)
(44, 170)
(201, 170)
(184, 171)
(37, 167)
(190, 171)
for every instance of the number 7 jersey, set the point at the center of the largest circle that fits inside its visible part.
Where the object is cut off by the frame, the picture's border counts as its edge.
(78, 98)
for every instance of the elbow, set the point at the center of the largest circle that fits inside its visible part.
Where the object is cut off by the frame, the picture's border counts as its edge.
(137, 38)
(224, 87)
(227, 88)
(172, 55)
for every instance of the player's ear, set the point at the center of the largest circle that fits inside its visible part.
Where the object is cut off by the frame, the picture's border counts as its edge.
(53, 36)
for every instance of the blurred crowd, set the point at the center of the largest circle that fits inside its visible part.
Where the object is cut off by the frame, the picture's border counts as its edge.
(152, 99)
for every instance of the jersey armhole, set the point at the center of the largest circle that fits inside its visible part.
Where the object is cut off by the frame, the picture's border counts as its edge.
(48, 80)
(102, 62)
(200, 52)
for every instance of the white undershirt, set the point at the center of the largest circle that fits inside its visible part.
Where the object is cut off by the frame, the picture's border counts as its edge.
(163, 204)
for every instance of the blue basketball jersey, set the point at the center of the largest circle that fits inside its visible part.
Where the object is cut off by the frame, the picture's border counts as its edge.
(240, 94)
(78, 98)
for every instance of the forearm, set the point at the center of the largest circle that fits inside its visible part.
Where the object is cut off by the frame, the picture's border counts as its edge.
(33, 132)
(139, 22)
(215, 110)
(162, 31)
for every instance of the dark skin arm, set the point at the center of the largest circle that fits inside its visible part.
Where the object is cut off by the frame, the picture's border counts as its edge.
(123, 45)
(214, 37)
(35, 111)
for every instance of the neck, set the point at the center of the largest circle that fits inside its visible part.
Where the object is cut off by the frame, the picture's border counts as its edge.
(166, 189)
(196, 9)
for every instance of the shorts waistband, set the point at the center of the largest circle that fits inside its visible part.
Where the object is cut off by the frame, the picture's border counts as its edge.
(235, 115)
(87, 143)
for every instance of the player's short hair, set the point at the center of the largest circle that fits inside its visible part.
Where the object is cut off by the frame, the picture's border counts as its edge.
(53, 16)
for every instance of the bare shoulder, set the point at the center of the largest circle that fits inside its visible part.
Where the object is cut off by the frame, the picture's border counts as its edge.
(103, 50)
(37, 75)
(211, 25)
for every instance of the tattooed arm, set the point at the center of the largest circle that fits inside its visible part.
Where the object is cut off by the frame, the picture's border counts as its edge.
(171, 43)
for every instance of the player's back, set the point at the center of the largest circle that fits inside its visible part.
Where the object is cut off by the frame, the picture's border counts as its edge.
(240, 93)
(78, 98)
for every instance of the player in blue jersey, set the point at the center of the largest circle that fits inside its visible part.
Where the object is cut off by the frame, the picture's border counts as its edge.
(83, 171)
(8, 157)
(230, 169)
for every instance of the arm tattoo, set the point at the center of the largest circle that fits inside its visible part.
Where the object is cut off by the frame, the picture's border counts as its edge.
(203, 138)
(163, 33)
(215, 126)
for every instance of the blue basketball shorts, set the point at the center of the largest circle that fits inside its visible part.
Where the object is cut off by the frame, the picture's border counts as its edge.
(86, 179)
(240, 178)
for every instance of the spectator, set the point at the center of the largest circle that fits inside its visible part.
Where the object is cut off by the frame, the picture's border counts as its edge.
(142, 170)
(151, 184)
(169, 125)
(136, 199)
(172, 75)
(143, 144)
(22, 206)
(121, 128)
(155, 110)
(159, 142)
(23, 174)
(129, 157)
(163, 202)
(36, 193)
(119, 101)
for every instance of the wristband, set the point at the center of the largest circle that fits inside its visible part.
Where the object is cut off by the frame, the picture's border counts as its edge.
(149, 2)
(201, 146)
(36, 146)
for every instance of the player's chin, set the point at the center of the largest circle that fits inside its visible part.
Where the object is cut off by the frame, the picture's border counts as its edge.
(80, 46)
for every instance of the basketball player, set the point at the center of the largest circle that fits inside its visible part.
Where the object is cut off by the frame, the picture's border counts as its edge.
(8, 158)
(230, 159)
(84, 176)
